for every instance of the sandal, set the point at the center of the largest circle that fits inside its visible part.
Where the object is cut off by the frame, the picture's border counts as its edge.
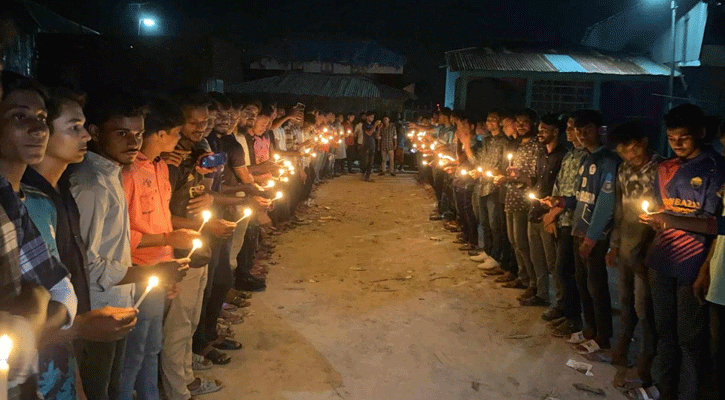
(227, 344)
(239, 303)
(207, 385)
(650, 393)
(199, 363)
(216, 356)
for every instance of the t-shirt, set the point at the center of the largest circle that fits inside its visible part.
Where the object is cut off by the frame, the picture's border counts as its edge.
(369, 140)
(689, 188)
(237, 157)
(261, 145)
(716, 292)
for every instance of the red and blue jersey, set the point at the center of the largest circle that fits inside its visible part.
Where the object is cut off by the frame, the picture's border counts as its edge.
(688, 188)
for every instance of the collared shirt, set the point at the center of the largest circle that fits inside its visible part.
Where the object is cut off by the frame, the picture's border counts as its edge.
(148, 193)
(491, 157)
(594, 202)
(37, 265)
(388, 135)
(10, 273)
(280, 142)
(524, 161)
(63, 217)
(566, 181)
(688, 188)
(105, 228)
(634, 185)
(547, 168)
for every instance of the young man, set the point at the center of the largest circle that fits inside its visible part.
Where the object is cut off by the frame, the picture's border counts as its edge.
(628, 245)
(594, 206)
(542, 242)
(520, 177)
(561, 219)
(350, 143)
(24, 134)
(153, 238)
(116, 125)
(368, 147)
(685, 185)
(388, 144)
(54, 211)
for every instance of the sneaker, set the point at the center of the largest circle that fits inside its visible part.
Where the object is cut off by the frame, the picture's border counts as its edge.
(552, 314)
(480, 257)
(506, 279)
(555, 323)
(199, 363)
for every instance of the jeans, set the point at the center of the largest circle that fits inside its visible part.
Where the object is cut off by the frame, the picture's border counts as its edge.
(566, 271)
(681, 324)
(468, 221)
(143, 346)
(635, 300)
(100, 367)
(542, 248)
(517, 226)
(493, 221)
(391, 157)
(593, 284)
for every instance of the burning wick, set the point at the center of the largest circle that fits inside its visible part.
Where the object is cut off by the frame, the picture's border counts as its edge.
(425, 163)
(270, 184)
(206, 216)
(285, 179)
(441, 163)
(324, 130)
(510, 156)
(410, 134)
(415, 145)
(281, 171)
(287, 163)
(196, 244)
(532, 196)
(153, 282)
(247, 214)
(464, 172)
(432, 147)
(276, 157)
(278, 196)
(479, 169)
(314, 155)
(489, 174)
(645, 207)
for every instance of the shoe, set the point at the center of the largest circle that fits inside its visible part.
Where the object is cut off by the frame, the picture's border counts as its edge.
(251, 284)
(552, 314)
(527, 294)
(555, 323)
(515, 284)
(207, 385)
(480, 258)
(535, 301)
(199, 363)
(506, 278)
(460, 241)
(495, 272)
(435, 217)
(564, 330)
(466, 247)
(474, 253)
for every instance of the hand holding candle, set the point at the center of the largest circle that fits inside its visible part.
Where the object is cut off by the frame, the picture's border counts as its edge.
(196, 244)
(153, 282)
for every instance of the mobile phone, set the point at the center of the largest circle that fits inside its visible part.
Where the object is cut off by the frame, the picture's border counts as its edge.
(213, 160)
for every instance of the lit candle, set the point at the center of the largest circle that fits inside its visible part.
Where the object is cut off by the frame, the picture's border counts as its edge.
(276, 157)
(464, 172)
(415, 145)
(247, 214)
(278, 196)
(285, 179)
(195, 244)
(532, 196)
(425, 163)
(281, 171)
(349, 131)
(270, 184)
(287, 163)
(489, 174)
(441, 163)
(153, 282)
(432, 147)
(6, 344)
(645, 207)
(410, 134)
(206, 216)
(480, 170)
(314, 155)
(324, 130)
(510, 156)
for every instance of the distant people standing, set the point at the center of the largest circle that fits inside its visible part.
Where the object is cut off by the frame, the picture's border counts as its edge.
(388, 144)
(368, 147)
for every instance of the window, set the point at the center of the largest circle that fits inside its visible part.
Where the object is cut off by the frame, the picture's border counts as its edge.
(558, 96)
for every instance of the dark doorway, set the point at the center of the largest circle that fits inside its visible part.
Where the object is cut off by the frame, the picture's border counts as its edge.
(486, 94)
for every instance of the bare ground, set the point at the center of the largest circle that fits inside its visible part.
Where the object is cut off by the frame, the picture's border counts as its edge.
(372, 301)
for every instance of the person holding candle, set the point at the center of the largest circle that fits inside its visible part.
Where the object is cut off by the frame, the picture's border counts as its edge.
(594, 203)
(542, 243)
(628, 244)
(686, 185)
(153, 238)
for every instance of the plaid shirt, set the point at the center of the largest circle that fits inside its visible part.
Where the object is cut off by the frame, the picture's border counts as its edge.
(9, 259)
(36, 264)
(566, 180)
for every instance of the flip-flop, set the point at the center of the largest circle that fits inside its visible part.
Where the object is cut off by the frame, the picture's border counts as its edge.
(228, 344)
(217, 357)
(207, 385)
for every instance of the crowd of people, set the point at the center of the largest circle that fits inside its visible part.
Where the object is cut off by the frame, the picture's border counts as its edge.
(551, 218)
(136, 227)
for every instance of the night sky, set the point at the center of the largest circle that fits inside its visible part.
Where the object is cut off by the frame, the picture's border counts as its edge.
(420, 29)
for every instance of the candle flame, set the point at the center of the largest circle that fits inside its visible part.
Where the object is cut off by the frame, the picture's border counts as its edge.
(247, 212)
(5, 345)
(270, 183)
(489, 174)
(464, 172)
(532, 196)
(153, 282)
(645, 206)
(196, 244)
(510, 156)
(479, 169)
(278, 196)
(206, 215)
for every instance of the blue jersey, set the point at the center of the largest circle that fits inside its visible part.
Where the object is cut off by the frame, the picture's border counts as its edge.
(689, 188)
(595, 199)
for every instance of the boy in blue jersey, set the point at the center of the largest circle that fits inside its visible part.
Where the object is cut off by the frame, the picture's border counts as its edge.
(591, 225)
(685, 185)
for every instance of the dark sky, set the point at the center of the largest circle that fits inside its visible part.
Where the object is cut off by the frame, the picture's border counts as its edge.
(420, 29)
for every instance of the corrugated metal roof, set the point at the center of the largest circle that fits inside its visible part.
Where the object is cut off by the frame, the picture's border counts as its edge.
(550, 61)
(323, 85)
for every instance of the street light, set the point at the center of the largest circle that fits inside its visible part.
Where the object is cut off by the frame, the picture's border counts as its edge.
(148, 22)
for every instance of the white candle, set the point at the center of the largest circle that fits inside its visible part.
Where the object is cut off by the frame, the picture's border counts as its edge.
(6, 345)
(153, 282)
(278, 196)
(270, 184)
(206, 216)
(247, 214)
(196, 244)
(532, 196)
(510, 156)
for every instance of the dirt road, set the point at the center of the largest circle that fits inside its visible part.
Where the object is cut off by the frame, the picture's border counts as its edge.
(372, 301)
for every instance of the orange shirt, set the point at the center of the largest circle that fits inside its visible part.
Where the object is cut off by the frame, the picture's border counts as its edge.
(148, 193)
